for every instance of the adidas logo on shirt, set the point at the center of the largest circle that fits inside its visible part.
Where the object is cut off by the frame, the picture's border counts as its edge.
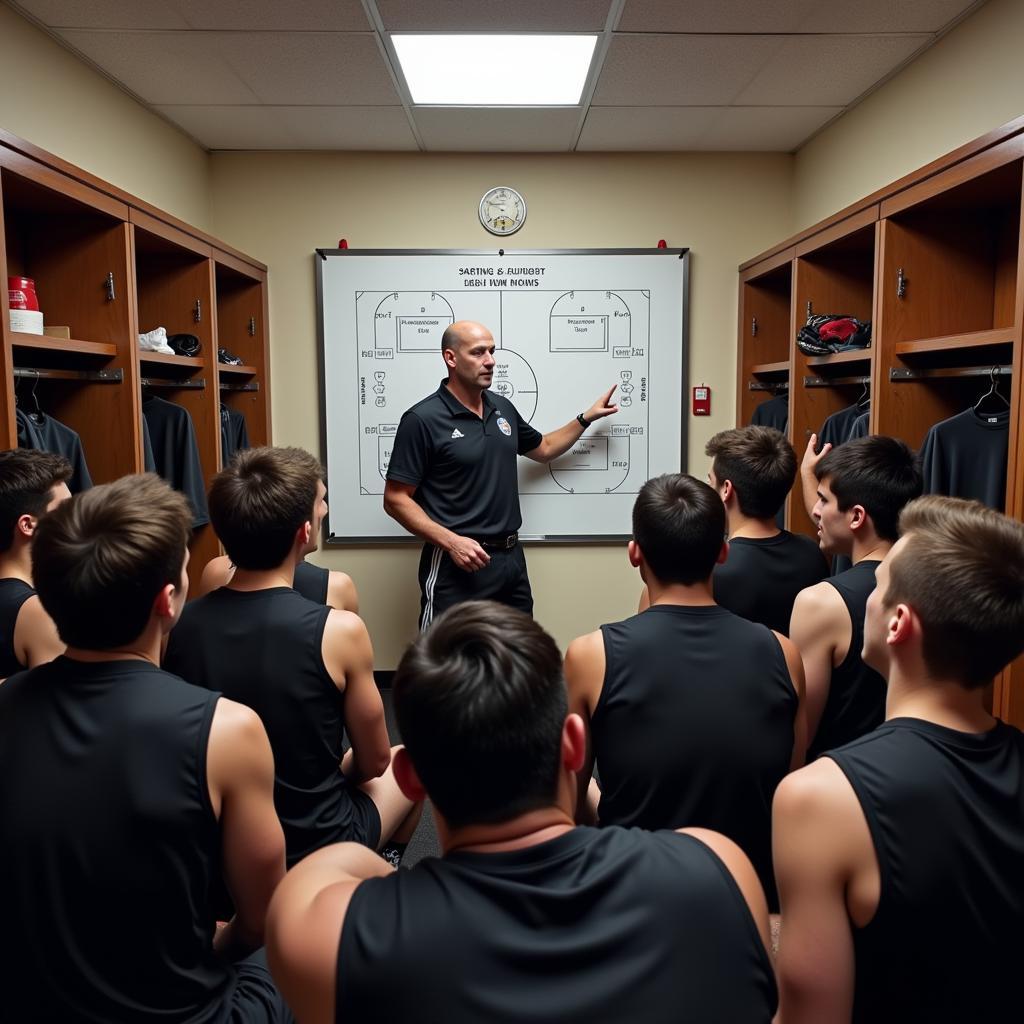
(457, 433)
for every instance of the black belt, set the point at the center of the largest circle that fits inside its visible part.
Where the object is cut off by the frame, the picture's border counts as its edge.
(502, 543)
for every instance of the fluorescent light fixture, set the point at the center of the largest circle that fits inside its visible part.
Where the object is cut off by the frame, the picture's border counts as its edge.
(495, 70)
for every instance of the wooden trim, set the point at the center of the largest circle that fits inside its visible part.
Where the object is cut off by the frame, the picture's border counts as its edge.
(856, 222)
(969, 149)
(248, 269)
(1012, 149)
(43, 341)
(170, 233)
(976, 339)
(780, 259)
(780, 367)
(16, 144)
(164, 359)
(838, 358)
(62, 184)
(229, 368)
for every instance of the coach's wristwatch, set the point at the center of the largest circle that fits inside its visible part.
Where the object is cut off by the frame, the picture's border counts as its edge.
(582, 420)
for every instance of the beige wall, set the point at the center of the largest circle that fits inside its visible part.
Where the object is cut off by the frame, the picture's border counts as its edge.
(970, 82)
(55, 101)
(279, 207)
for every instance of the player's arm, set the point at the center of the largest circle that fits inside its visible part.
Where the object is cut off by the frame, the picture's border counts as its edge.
(795, 666)
(216, 573)
(584, 677)
(348, 655)
(240, 777)
(808, 481)
(36, 640)
(341, 592)
(818, 615)
(738, 865)
(816, 840)
(304, 926)
(399, 503)
(559, 441)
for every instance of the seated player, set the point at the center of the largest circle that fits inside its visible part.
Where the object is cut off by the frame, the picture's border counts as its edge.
(524, 917)
(306, 669)
(322, 586)
(32, 483)
(900, 855)
(692, 713)
(128, 792)
(862, 486)
(753, 471)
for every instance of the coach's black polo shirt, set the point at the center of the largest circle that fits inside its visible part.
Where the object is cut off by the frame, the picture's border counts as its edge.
(464, 467)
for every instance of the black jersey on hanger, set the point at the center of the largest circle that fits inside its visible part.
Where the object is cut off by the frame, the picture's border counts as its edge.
(966, 456)
(176, 453)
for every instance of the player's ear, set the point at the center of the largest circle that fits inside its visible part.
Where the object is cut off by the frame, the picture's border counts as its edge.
(636, 556)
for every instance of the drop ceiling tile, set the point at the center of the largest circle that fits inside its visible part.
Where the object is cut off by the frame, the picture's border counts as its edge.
(760, 129)
(365, 128)
(273, 15)
(164, 67)
(493, 15)
(790, 15)
(108, 14)
(827, 70)
(330, 68)
(625, 129)
(505, 129)
(232, 127)
(660, 70)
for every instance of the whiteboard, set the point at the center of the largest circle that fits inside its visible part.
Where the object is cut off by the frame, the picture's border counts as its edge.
(567, 324)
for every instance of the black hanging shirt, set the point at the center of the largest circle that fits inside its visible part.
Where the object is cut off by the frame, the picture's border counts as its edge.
(966, 456)
(176, 453)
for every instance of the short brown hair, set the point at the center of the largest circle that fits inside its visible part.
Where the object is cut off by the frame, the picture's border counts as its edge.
(480, 701)
(761, 464)
(26, 479)
(100, 559)
(259, 502)
(962, 571)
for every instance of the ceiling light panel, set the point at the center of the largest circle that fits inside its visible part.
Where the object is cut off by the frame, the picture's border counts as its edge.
(495, 70)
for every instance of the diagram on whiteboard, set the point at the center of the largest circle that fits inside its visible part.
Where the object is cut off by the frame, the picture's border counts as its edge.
(567, 326)
(586, 340)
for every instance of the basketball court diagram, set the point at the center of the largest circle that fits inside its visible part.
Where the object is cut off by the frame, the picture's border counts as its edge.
(556, 351)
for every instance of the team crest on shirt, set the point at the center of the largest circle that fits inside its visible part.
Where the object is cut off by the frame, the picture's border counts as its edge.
(504, 427)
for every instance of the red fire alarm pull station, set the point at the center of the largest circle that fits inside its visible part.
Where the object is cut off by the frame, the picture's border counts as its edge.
(702, 401)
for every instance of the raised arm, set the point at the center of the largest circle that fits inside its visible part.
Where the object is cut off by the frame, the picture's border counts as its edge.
(240, 778)
(584, 676)
(808, 481)
(559, 441)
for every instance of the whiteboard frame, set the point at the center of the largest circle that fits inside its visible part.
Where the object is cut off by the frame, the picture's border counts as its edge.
(320, 258)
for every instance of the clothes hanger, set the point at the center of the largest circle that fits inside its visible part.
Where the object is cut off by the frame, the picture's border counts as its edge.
(864, 401)
(993, 393)
(37, 414)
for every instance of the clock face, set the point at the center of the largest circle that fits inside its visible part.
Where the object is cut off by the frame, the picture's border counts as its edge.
(502, 210)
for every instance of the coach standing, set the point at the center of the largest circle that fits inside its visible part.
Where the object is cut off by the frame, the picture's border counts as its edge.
(452, 478)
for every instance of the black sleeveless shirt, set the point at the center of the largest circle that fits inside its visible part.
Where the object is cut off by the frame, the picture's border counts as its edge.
(13, 594)
(594, 925)
(856, 694)
(694, 726)
(262, 648)
(760, 579)
(110, 847)
(946, 815)
(311, 582)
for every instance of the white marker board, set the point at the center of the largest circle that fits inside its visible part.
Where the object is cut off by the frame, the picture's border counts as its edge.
(567, 324)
